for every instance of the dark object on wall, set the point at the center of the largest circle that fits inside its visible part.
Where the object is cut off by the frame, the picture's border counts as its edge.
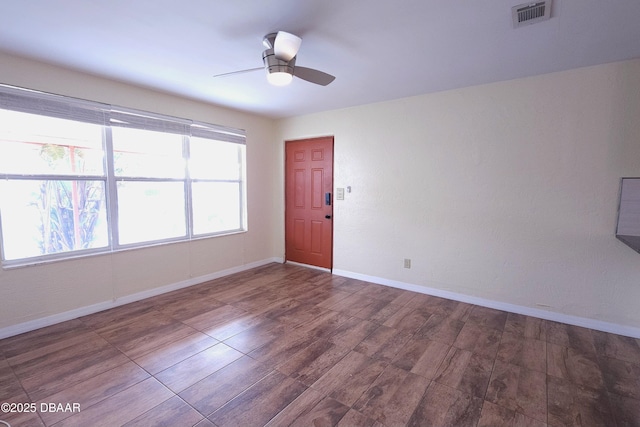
(628, 229)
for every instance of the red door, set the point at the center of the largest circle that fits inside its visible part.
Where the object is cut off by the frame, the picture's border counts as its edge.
(309, 201)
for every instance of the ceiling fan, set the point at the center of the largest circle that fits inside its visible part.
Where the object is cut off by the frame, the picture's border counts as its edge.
(279, 60)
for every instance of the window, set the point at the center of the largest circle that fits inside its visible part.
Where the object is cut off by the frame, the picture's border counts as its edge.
(150, 173)
(80, 177)
(217, 186)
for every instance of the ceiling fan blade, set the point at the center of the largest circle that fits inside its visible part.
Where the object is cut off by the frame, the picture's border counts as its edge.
(238, 72)
(314, 76)
(286, 45)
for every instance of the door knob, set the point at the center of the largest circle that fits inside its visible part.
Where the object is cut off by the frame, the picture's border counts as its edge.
(328, 216)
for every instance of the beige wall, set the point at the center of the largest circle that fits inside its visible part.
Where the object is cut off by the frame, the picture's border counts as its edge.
(504, 192)
(31, 293)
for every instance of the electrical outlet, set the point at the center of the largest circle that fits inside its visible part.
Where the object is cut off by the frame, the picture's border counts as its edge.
(407, 263)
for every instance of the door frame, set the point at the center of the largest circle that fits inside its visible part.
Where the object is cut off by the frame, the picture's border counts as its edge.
(330, 269)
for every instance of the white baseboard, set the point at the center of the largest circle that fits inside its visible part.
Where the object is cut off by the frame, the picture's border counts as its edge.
(32, 325)
(598, 325)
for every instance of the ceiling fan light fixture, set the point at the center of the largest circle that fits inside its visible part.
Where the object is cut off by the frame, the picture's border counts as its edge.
(286, 45)
(279, 78)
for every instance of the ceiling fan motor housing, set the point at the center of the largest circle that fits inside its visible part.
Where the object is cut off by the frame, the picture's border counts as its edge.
(275, 65)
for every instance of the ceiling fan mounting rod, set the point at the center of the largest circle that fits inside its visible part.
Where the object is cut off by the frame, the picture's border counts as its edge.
(269, 40)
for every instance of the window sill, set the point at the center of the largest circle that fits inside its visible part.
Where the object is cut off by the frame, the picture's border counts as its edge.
(34, 262)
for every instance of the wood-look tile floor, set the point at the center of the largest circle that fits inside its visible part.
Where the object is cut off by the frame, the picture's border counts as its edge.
(285, 345)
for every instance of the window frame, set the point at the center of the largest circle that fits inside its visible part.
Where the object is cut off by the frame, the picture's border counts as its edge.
(35, 102)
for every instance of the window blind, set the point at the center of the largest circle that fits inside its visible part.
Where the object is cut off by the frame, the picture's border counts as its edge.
(34, 102)
(148, 121)
(220, 133)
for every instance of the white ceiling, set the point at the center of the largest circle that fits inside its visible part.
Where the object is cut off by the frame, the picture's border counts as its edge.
(378, 50)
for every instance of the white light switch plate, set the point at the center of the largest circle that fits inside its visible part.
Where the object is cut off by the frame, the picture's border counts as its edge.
(340, 193)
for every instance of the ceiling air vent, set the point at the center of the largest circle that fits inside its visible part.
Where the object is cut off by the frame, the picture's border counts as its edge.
(530, 13)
